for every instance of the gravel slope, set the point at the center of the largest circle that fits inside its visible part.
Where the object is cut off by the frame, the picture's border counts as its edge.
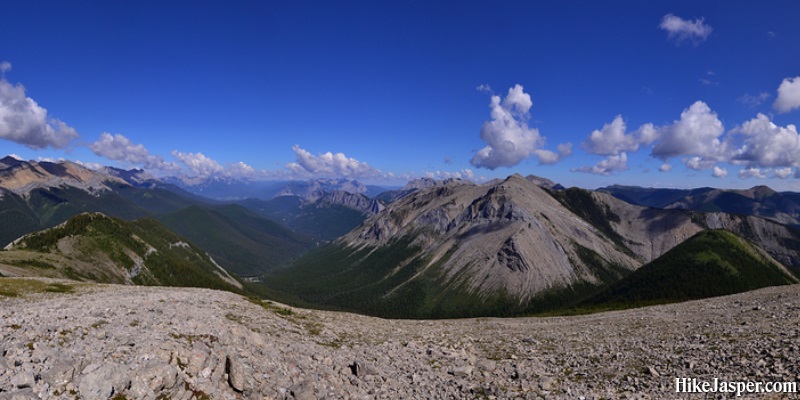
(108, 341)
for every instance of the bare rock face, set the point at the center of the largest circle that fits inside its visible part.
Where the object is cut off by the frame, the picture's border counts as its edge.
(108, 341)
(21, 177)
(524, 241)
(236, 374)
(356, 201)
(512, 236)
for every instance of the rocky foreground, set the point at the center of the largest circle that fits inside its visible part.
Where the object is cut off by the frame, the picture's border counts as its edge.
(124, 342)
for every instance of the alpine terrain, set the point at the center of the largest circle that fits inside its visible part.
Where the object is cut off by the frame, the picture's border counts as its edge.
(502, 248)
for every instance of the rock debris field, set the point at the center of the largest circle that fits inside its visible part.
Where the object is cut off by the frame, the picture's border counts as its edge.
(84, 341)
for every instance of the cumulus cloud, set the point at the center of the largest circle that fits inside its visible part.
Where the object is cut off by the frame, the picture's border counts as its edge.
(783, 173)
(240, 170)
(751, 172)
(330, 164)
(788, 95)
(198, 164)
(612, 139)
(697, 133)
(548, 157)
(719, 172)
(24, 121)
(681, 30)
(665, 168)
(117, 147)
(5, 66)
(608, 166)
(120, 148)
(699, 163)
(463, 174)
(768, 145)
(509, 139)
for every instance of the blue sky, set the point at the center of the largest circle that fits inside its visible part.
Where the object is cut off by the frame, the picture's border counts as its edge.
(681, 94)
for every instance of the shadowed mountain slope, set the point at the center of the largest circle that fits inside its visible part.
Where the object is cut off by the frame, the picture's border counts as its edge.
(711, 263)
(94, 247)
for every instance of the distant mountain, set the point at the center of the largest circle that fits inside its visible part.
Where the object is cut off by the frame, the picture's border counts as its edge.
(239, 189)
(460, 249)
(323, 220)
(134, 177)
(759, 201)
(39, 195)
(35, 196)
(21, 177)
(711, 263)
(229, 189)
(96, 248)
(321, 208)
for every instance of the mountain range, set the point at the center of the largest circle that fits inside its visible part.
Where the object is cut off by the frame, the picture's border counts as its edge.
(759, 201)
(503, 248)
(434, 248)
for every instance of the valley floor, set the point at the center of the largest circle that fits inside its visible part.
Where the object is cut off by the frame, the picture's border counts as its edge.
(68, 340)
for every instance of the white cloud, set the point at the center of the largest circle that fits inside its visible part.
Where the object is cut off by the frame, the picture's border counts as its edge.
(682, 30)
(23, 121)
(564, 149)
(5, 66)
(612, 139)
(548, 157)
(15, 156)
(719, 172)
(753, 101)
(768, 145)
(752, 172)
(509, 139)
(119, 148)
(463, 174)
(330, 165)
(788, 95)
(484, 88)
(698, 163)
(783, 173)
(697, 133)
(665, 168)
(608, 166)
(240, 170)
(90, 165)
(198, 164)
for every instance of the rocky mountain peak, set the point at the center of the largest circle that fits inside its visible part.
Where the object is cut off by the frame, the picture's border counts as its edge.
(21, 177)
(136, 177)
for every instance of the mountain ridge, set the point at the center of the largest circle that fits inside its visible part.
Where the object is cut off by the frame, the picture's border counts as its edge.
(96, 248)
(511, 243)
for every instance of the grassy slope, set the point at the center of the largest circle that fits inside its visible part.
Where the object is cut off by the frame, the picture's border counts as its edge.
(711, 263)
(100, 237)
